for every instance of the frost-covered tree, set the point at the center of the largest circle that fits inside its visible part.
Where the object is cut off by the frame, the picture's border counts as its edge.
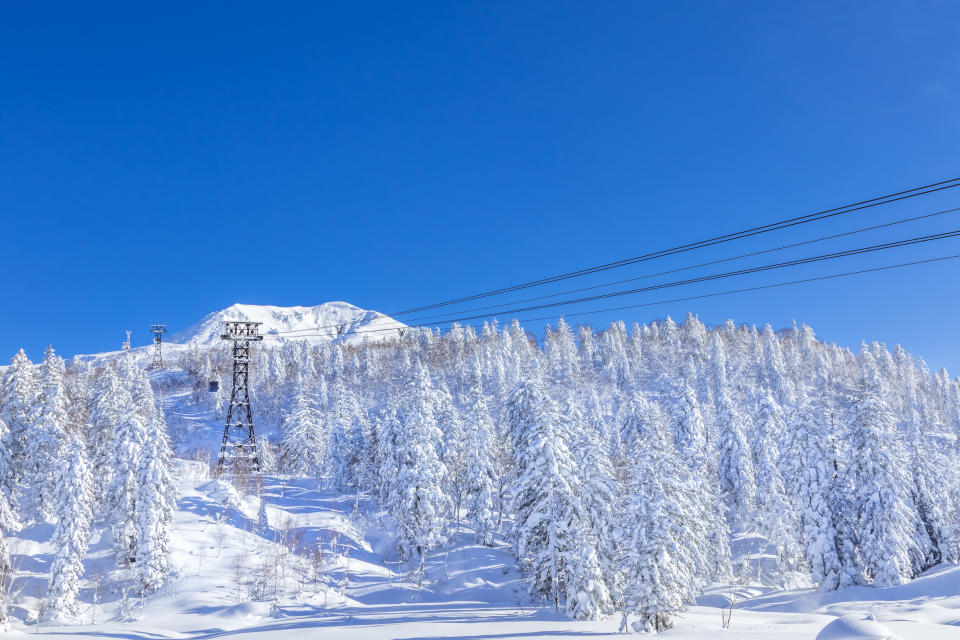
(665, 537)
(125, 457)
(453, 450)
(418, 503)
(19, 391)
(304, 435)
(480, 469)
(72, 508)
(155, 500)
(735, 468)
(545, 491)
(263, 522)
(775, 515)
(8, 518)
(347, 454)
(48, 425)
(112, 400)
(809, 472)
(689, 432)
(884, 518)
(561, 353)
(592, 573)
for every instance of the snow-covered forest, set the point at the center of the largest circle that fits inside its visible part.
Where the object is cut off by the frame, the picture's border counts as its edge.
(81, 447)
(622, 466)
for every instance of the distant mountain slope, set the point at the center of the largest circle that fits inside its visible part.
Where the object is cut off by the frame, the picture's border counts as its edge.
(313, 324)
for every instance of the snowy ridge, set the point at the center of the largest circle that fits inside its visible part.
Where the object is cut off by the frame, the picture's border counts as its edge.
(303, 322)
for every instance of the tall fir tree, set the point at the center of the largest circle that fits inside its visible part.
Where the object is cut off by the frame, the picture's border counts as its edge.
(418, 503)
(304, 434)
(48, 425)
(155, 500)
(72, 508)
(884, 516)
(480, 465)
(545, 492)
(666, 541)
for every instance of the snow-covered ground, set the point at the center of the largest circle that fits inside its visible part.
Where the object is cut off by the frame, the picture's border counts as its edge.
(470, 591)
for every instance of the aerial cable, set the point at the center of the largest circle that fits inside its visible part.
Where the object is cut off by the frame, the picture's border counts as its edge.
(783, 224)
(778, 265)
(699, 296)
(769, 267)
(701, 264)
(660, 273)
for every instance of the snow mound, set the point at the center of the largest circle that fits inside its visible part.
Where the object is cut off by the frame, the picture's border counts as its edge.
(225, 494)
(855, 627)
(313, 324)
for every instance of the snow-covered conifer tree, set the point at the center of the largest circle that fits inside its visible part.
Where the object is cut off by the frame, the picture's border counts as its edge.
(348, 438)
(479, 465)
(884, 516)
(545, 491)
(124, 460)
(775, 515)
(304, 436)
(666, 539)
(112, 400)
(8, 518)
(418, 502)
(735, 468)
(453, 449)
(808, 471)
(72, 508)
(689, 432)
(48, 425)
(263, 522)
(155, 498)
(19, 391)
(587, 599)
(561, 353)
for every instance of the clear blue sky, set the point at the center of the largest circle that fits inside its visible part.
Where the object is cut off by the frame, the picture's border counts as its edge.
(161, 162)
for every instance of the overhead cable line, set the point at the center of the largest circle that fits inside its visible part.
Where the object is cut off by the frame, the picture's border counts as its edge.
(706, 278)
(660, 273)
(857, 206)
(701, 264)
(687, 298)
(746, 289)
(739, 272)
(774, 226)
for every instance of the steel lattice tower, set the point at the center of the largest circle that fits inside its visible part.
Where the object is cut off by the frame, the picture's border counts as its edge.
(239, 448)
(157, 330)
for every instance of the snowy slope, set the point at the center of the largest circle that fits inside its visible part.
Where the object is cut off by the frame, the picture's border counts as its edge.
(313, 324)
(470, 591)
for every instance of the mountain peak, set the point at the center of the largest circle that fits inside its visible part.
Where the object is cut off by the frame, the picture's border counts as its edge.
(313, 324)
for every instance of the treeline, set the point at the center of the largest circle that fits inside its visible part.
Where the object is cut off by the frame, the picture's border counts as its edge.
(620, 464)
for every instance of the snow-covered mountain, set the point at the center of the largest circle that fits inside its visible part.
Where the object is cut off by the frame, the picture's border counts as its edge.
(313, 324)
(280, 324)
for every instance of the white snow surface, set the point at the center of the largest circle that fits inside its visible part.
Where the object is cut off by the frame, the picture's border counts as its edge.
(313, 324)
(470, 591)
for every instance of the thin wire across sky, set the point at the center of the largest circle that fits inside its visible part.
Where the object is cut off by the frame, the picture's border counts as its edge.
(510, 308)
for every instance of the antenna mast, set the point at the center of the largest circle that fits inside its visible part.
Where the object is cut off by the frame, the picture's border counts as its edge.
(157, 330)
(239, 448)
(125, 345)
